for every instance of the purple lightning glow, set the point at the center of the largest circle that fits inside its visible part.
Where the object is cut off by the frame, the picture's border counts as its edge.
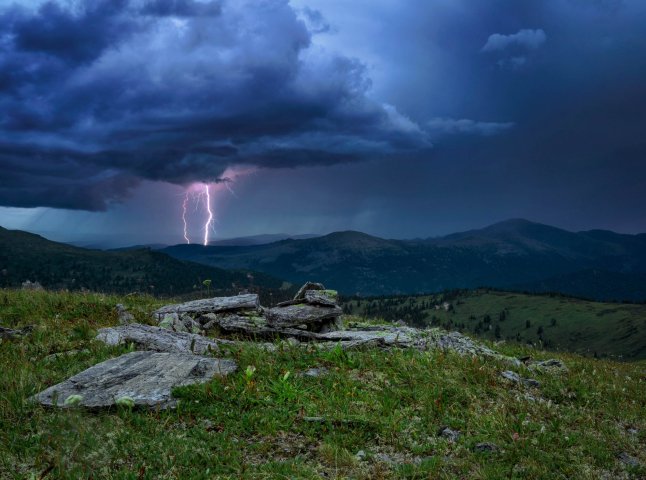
(184, 219)
(203, 194)
(209, 221)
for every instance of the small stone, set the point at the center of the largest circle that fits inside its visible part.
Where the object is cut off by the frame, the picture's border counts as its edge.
(548, 365)
(400, 323)
(123, 315)
(361, 455)
(207, 424)
(486, 447)
(315, 372)
(36, 286)
(451, 435)
(628, 460)
(9, 333)
(308, 286)
(515, 378)
(382, 457)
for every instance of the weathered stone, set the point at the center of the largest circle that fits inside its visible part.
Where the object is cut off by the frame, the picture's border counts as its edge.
(552, 364)
(326, 298)
(628, 460)
(294, 315)
(300, 295)
(27, 285)
(160, 339)
(10, 333)
(332, 325)
(515, 378)
(180, 323)
(451, 435)
(123, 315)
(212, 305)
(486, 447)
(314, 372)
(139, 379)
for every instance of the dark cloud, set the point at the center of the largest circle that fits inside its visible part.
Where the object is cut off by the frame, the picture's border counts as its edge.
(176, 90)
(525, 38)
(548, 127)
(182, 8)
(74, 36)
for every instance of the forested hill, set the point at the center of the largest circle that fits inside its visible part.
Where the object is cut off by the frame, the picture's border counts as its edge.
(25, 256)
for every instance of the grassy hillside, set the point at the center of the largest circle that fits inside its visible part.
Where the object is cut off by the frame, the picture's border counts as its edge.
(25, 256)
(554, 322)
(579, 424)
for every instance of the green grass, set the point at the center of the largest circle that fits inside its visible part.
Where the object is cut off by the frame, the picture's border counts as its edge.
(553, 322)
(251, 424)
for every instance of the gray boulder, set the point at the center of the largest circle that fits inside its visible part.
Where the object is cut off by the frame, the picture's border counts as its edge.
(136, 379)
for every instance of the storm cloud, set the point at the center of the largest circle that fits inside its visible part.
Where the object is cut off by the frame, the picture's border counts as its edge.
(100, 95)
(412, 118)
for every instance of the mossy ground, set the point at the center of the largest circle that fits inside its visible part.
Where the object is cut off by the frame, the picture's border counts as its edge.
(253, 423)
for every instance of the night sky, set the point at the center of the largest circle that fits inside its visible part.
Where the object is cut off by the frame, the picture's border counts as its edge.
(400, 119)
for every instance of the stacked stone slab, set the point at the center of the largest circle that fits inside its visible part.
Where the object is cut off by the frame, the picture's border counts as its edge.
(204, 315)
(313, 309)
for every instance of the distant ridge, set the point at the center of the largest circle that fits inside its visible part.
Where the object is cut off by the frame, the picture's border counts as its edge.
(27, 256)
(515, 254)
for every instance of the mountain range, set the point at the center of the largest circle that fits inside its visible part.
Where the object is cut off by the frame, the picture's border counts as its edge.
(26, 256)
(515, 254)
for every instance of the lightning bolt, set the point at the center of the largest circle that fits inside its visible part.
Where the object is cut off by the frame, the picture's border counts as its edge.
(209, 220)
(198, 197)
(184, 218)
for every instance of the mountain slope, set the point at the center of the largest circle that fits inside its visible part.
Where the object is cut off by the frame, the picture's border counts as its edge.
(511, 254)
(308, 413)
(25, 256)
(550, 321)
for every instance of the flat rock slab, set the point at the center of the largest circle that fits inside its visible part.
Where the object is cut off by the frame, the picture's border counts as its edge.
(294, 315)
(248, 301)
(160, 339)
(144, 379)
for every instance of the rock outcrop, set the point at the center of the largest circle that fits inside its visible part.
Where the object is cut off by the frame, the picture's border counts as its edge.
(136, 379)
(313, 309)
(175, 352)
